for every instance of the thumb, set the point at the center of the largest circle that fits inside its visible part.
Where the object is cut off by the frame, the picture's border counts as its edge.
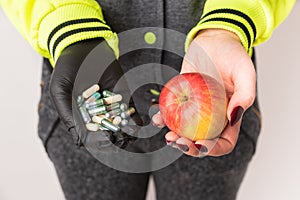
(244, 81)
(157, 120)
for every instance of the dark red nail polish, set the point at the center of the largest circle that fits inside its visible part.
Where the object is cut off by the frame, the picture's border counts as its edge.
(168, 141)
(183, 147)
(198, 146)
(201, 148)
(236, 115)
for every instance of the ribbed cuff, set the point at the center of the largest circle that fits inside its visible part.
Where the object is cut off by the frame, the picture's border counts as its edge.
(244, 18)
(70, 24)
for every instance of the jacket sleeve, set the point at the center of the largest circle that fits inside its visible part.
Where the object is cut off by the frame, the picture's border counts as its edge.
(252, 20)
(52, 25)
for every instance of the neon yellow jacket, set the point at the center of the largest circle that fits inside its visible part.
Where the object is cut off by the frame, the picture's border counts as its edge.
(52, 25)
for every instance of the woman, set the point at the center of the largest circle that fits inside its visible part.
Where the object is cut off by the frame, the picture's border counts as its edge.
(65, 32)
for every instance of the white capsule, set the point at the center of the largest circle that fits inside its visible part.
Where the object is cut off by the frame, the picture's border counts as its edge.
(97, 119)
(88, 92)
(113, 99)
(117, 120)
(92, 126)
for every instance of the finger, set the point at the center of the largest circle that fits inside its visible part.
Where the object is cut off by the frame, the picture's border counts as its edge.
(61, 93)
(187, 146)
(244, 81)
(63, 77)
(157, 120)
(222, 145)
(171, 137)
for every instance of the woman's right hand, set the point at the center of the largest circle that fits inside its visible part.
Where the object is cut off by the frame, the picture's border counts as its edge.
(62, 83)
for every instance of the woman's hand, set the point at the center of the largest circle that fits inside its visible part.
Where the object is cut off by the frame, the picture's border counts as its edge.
(61, 88)
(238, 74)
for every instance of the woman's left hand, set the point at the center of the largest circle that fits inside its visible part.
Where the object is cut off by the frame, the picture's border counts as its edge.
(238, 74)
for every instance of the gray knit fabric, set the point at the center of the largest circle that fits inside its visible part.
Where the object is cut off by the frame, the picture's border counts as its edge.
(84, 178)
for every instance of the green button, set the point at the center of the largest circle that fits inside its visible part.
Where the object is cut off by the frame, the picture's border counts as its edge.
(150, 38)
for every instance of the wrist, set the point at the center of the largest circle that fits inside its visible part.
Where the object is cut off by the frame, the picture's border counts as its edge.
(215, 32)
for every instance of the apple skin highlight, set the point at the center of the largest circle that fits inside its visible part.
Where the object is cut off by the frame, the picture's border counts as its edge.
(194, 105)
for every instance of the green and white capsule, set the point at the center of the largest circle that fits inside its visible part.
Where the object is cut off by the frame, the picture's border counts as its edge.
(85, 115)
(106, 123)
(91, 90)
(97, 111)
(102, 128)
(113, 113)
(128, 112)
(107, 93)
(93, 98)
(112, 106)
(97, 103)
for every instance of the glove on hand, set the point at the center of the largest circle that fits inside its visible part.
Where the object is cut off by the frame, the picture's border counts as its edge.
(61, 88)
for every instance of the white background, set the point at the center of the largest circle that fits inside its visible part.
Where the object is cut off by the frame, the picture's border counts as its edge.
(27, 173)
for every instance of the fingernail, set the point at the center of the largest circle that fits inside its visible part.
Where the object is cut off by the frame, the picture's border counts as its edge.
(201, 148)
(157, 125)
(171, 144)
(183, 147)
(236, 115)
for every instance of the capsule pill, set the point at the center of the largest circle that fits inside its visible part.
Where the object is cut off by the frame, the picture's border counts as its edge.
(92, 126)
(97, 119)
(102, 128)
(107, 93)
(98, 110)
(93, 98)
(113, 99)
(85, 115)
(80, 100)
(109, 125)
(113, 113)
(123, 106)
(112, 106)
(87, 93)
(128, 112)
(106, 123)
(95, 104)
(117, 120)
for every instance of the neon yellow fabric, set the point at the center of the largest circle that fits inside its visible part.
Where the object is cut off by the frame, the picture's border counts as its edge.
(252, 20)
(52, 25)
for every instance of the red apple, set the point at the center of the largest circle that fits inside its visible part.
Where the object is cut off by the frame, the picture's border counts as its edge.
(194, 105)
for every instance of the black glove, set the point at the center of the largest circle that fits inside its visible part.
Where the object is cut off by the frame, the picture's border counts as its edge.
(61, 88)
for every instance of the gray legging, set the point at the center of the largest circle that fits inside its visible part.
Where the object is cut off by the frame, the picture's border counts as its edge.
(83, 177)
